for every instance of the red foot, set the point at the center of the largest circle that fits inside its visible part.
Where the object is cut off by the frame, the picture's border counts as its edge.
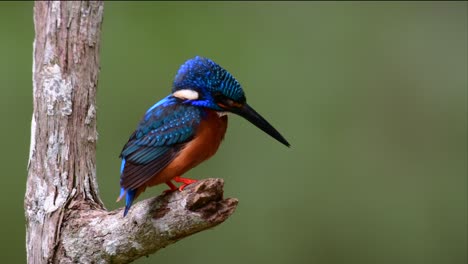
(185, 181)
(171, 186)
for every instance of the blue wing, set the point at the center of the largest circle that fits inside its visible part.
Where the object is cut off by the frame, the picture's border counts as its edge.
(159, 137)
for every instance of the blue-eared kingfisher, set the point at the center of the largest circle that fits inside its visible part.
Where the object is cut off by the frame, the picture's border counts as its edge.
(184, 129)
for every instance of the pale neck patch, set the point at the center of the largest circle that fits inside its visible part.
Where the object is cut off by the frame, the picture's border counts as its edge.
(186, 94)
(220, 114)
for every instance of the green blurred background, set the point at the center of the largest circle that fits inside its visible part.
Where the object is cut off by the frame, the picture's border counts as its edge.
(372, 97)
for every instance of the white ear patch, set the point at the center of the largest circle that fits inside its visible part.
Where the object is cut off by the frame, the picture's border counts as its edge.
(186, 94)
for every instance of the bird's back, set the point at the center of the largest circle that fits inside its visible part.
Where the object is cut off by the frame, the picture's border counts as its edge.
(171, 138)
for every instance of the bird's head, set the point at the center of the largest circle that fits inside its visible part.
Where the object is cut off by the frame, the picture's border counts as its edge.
(202, 82)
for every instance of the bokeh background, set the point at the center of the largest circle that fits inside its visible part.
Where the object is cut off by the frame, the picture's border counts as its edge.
(372, 97)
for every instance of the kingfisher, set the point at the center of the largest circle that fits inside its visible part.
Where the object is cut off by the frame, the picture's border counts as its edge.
(184, 129)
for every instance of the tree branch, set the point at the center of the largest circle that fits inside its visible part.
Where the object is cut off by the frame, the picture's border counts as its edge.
(66, 219)
(151, 224)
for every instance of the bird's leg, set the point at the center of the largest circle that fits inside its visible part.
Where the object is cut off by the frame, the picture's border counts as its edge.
(171, 186)
(185, 181)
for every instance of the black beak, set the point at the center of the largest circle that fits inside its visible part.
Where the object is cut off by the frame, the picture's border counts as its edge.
(255, 118)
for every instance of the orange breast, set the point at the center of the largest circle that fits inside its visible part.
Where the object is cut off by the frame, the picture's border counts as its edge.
(206, 142)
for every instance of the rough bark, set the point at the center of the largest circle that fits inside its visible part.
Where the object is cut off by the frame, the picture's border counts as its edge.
(66, 219)
(151, 224)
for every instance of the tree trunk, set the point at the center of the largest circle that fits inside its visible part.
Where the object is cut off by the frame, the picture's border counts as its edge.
(66, 219)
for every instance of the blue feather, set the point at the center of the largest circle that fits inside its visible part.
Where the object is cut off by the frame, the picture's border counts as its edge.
(163, 101)
(122, 166)
(208, 78)
(129, 200)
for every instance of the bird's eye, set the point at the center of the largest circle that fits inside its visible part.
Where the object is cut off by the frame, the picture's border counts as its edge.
(226, 102)
(229, 101)
(222, 99)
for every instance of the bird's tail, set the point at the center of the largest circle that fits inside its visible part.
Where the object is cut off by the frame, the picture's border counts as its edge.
(129, 197)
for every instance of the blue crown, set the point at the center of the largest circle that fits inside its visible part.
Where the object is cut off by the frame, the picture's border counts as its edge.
(204, 74)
